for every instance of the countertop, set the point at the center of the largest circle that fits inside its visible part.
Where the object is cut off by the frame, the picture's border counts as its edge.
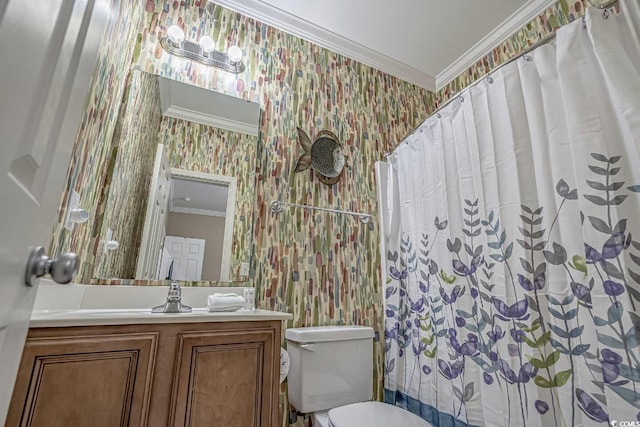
(95, 317)
(93, 305)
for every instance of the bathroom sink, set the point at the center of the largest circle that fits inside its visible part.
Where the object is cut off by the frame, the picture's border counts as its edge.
(116, 312)
(139, 312)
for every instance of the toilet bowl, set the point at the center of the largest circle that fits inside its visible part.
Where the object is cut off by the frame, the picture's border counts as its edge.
(331, 379)
(367, 414)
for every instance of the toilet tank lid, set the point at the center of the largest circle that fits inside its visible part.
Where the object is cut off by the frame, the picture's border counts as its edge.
(328, 333)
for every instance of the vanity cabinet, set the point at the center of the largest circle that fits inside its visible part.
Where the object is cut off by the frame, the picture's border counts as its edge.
(99, 379)
(171, 374)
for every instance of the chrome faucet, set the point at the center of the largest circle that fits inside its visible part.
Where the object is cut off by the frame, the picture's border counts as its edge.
(174, 302)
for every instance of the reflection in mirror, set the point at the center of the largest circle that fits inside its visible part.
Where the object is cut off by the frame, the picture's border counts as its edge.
(169, 136)
(194, 240)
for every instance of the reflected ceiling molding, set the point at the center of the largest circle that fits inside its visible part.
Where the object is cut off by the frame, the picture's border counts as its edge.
(194, 211)
(208, 107)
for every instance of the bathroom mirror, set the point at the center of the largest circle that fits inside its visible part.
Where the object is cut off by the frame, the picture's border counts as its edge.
(196, 240)
(178, 192)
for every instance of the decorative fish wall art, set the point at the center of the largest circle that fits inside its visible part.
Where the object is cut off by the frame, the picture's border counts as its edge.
(324, 155)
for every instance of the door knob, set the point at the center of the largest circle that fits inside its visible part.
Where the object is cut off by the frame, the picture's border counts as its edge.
(61, 269)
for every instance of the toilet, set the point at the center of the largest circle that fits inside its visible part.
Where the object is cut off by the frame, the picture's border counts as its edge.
(331, 379)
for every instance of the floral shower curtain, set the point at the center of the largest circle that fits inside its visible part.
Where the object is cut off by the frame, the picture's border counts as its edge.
(513, 262)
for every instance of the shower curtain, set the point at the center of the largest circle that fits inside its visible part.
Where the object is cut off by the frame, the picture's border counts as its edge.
(512, 293)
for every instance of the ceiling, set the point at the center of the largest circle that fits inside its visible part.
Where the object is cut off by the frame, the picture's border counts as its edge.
(205, 198)
(425, 42)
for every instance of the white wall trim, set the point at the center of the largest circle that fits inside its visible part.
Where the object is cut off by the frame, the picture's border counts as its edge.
(211, 120)
(299, 27)
(232, 183)
(506, 29)
(306, 30)
(194, 211)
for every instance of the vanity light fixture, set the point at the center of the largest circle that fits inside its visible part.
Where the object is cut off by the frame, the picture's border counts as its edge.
(203, 51)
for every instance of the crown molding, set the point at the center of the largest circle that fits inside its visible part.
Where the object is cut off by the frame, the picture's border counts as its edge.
(208, 107)
(304, 29)
(509, 27)
(212, 120)
(194, 211)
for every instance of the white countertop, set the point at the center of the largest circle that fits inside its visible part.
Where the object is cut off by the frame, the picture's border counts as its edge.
(94, 317)
(92, 305)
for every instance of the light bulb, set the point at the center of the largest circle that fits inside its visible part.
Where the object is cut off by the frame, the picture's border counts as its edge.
(175, 34)
(206, 44)
(235, 54)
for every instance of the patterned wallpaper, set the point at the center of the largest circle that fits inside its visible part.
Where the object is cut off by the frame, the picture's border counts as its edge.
(93, 149)
(129, 175)
(202, 148)
(321, 267)
(561, 13)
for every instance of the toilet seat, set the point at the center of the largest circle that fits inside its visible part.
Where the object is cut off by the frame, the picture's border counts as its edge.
(374, 414)
(320, 419)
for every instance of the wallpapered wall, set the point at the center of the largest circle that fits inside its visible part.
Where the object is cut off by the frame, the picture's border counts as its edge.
(212, 150)
(323, 268)
(93, 149)
(129, 175)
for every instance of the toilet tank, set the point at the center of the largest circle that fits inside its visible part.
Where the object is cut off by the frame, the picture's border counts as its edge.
(331, 366)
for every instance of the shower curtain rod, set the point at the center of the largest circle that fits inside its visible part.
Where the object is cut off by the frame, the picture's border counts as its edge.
(277, 205)
(545, 40)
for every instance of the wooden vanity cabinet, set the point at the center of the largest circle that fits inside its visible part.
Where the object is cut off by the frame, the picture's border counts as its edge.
(100, 379)
(179, 374)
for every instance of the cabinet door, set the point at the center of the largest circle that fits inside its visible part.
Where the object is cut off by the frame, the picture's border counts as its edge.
(226, 378)
(97, 380)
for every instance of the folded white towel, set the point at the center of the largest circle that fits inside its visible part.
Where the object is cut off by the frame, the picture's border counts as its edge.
(214, 309)
(219, 298)
(225, 302)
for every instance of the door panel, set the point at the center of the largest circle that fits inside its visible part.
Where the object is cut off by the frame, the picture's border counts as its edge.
(48, 56)
(38, 143)
(155, 222)
(187, 255)
(191, 269)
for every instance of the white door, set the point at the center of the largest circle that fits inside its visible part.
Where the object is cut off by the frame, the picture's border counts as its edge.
(155, 220)
(187, 255)
(48, 54)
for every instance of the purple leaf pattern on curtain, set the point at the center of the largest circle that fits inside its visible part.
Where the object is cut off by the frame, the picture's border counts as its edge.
(457, 320)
